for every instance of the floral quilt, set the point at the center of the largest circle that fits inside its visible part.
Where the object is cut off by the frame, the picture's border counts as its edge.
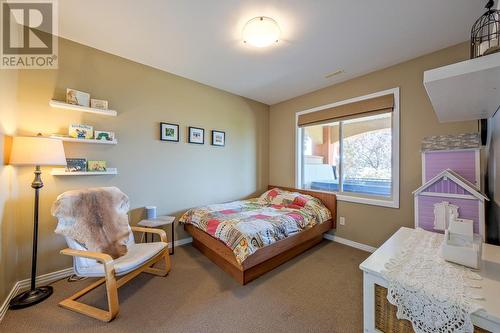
(248, 225)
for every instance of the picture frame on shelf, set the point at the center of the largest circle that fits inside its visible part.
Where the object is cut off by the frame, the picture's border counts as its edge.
(77, 97)
(81, 132)
(196, 135)
(218, 138)
(96, 166)
(104, 135)
(100, 104)
(169, 132)
(76, 164)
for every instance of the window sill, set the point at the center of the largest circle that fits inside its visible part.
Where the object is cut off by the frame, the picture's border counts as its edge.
(368, 201)
(363, 200)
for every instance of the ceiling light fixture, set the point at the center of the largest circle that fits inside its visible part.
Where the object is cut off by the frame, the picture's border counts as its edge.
(261, 31)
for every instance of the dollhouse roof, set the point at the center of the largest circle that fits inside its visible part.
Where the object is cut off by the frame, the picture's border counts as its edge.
(456, 178)
(451, 142)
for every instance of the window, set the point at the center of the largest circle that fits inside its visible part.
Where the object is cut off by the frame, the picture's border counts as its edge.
(355, 155)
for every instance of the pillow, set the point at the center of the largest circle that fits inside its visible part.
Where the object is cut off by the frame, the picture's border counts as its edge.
(278, 196)
(296, 200)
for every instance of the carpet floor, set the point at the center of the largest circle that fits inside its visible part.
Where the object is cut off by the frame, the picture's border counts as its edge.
(318, 291)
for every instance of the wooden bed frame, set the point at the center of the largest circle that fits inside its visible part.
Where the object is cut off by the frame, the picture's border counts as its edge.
(271, 256)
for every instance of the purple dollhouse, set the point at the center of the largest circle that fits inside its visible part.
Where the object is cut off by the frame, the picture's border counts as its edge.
(450, 183)
(460, 153)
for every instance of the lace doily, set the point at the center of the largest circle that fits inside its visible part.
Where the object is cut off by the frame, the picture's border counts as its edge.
(435, 295)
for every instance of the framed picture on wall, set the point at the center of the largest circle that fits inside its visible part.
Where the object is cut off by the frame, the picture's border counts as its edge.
(196, 135)
(218, 138)
(169, 132)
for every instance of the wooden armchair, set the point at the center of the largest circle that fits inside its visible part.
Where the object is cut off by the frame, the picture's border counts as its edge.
(140, 258)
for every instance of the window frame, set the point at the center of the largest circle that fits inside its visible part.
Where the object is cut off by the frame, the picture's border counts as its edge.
(393, 201)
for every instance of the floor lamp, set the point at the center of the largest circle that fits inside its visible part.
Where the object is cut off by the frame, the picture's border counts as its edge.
(35, 151)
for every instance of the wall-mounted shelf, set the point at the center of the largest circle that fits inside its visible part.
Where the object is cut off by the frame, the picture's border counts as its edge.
(467, 90)
(63, 172)
(92, 141)
(62, 105)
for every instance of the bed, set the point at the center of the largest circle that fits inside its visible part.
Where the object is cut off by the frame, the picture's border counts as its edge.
(251, 237)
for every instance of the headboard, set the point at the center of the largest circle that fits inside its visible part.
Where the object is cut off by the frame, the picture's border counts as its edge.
(328, 199)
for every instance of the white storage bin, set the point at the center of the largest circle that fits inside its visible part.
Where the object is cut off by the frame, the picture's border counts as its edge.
(459, 250)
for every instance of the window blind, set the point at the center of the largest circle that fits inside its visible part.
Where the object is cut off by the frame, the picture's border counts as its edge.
(367, 107)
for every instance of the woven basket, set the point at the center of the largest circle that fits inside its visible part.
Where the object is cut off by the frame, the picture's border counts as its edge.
(385, 315)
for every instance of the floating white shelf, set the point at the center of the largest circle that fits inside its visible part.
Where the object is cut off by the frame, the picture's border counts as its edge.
(467, 90)
(101, 142)
(63, 172)
(66, 106)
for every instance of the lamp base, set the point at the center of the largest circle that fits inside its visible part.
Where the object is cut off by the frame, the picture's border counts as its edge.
(30, 297)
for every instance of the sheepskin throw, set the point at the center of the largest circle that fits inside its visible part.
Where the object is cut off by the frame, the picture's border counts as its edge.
(96, 218)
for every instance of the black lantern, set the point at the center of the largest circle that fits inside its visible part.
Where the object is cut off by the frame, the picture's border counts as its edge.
(485, 33)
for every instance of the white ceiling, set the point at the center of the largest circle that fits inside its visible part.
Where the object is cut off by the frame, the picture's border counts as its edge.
(201, 39)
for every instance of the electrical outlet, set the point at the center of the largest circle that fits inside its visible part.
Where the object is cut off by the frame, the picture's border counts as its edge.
(342, 220)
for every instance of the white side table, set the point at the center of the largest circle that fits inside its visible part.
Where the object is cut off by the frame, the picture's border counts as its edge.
(488, 318)
(159, 222)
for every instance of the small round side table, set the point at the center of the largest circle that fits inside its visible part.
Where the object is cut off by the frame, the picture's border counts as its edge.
(158, 222)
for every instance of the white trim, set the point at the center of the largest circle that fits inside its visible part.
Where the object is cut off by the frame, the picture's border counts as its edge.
(448, 195)
(367, 201)
(369, 282)
(25, 284)
(468, 186)
(396, 128)
(342, 196)
(350, 243)
(341, 157)
(11, 295)
(481, 221)
(450, 150)
(415, 205)
(477, 166)
(180, 242)
(298, 154)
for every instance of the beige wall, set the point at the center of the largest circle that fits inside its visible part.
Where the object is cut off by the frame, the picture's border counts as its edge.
(8, 189)
(172, 176)
(366, 224)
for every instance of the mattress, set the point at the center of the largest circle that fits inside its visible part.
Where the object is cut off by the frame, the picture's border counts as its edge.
(246, 226)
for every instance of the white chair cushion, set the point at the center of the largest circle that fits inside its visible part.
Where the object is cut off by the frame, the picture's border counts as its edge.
(137, 255)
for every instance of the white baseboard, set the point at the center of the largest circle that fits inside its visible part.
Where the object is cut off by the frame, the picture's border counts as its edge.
(54, 276)
(350, 243)
(25, 284)
(180, 242)
(11, 295)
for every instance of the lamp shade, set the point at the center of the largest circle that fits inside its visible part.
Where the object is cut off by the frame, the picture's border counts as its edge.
(261, 31)
(37, 151)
